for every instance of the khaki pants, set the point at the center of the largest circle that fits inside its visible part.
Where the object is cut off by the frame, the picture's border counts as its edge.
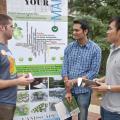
(7, 111)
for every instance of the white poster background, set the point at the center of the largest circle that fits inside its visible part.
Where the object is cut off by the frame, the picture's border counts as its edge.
(42, 47)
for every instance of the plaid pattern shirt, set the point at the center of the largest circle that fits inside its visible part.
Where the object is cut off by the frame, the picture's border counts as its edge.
(81, 61)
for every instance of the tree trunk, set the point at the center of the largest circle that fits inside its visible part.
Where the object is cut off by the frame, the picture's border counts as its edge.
(3, 8)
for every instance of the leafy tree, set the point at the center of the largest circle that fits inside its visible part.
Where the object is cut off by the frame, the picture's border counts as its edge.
(101, 9)
(98, 13)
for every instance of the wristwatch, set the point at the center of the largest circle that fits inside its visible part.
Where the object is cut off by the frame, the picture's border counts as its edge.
(109, 87)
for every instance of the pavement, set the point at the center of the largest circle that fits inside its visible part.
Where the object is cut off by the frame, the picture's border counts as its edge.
(94, 112)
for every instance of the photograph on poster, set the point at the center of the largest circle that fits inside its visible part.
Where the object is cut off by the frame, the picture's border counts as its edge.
(56, 94)
(22, 96)
(39, 107)
(22, 109)
(39, 83)
(56, 82)
(39, 95)
(52, 106)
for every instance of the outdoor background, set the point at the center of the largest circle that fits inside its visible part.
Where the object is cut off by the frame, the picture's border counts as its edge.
(98, 13)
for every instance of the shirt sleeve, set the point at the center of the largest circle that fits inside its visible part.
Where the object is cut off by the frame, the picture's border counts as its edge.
(65, 64)
(95, 65)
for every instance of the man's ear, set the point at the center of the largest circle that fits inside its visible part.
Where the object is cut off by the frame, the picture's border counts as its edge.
(118, 33)
(86, 31)
(2, 27)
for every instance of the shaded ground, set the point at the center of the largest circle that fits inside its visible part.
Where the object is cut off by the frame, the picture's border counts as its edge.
(93, 116)
(96, 98)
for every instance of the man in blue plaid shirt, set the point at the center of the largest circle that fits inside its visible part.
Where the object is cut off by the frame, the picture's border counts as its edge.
(82, 58)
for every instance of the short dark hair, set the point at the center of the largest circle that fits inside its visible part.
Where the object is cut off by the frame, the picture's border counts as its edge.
(4, 19)
(83, 23)
(117, 21)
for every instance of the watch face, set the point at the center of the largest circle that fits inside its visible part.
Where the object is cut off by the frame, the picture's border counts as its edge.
(109, 87)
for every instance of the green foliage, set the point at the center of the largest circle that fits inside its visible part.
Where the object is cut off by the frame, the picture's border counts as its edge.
(97, 30)
(101, 9)
(97, 13)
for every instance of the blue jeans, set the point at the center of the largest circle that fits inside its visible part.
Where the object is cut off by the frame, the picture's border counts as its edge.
(107, 115)
(83, 100)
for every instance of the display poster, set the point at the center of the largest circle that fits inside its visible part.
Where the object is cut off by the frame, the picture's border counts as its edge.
(38, 43)
(40, 35)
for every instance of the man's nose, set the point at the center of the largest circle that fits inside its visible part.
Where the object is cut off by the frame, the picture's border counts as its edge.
(107, 32)
(74, 32)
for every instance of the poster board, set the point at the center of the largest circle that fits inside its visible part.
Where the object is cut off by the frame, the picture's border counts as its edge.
(38, 43)
(40, 35)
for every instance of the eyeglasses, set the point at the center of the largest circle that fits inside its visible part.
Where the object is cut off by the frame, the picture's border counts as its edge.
(10, 26)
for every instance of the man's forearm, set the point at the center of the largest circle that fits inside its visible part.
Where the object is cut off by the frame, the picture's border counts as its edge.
(115, 88)
(8, 83)
(67, 87)
(102, 79)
